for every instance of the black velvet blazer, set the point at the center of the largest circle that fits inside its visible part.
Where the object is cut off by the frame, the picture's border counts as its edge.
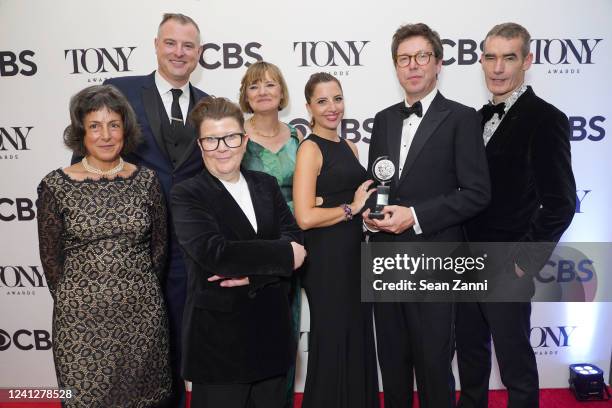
(533, 189)
(242, 334)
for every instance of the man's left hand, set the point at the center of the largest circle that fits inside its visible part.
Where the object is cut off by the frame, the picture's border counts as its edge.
(229, 282)
(519, 272)
(397, 219)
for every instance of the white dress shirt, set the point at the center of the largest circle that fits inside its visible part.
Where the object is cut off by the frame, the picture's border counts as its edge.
(164, 88)
(240, 192)
(410, 126)
(409, 129)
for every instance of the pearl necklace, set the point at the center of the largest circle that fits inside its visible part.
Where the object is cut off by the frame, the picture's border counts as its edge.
(118, 168)
(264, 135)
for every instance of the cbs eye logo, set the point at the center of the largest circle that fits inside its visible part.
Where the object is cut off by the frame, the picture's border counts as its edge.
(21, 209)
(24, 339)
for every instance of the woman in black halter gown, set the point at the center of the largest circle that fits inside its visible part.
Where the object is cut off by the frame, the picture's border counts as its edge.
(329, 191)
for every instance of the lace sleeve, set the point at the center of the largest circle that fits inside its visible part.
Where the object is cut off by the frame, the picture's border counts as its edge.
(50, 236)
(159, 228)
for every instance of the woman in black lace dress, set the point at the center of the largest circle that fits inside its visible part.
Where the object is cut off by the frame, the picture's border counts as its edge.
(102, 235)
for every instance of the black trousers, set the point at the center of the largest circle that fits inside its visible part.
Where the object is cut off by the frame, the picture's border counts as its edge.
(509, 324)
(268, 393)
(419, 337)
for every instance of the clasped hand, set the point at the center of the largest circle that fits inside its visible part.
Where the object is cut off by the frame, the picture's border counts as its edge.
(397, 219)
(299, 253)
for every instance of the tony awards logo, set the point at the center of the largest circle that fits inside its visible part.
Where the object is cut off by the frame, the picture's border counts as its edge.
(383, 170)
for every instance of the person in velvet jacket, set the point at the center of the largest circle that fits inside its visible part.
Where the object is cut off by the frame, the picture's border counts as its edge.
(532, 202)
(241, 244)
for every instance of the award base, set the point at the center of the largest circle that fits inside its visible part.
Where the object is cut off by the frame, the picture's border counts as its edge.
(376, 215)
(382, 199)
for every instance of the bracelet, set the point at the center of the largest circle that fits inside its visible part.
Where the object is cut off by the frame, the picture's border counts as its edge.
(348, 213)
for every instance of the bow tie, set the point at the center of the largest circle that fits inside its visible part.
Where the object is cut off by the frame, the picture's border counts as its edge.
(417, 109)
(489, 110)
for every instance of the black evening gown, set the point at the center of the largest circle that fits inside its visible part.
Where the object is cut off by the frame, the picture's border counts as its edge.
(102, 246)
(341, 357)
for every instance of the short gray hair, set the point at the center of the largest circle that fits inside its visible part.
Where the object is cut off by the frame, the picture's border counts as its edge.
(181, 19)
(510, 31)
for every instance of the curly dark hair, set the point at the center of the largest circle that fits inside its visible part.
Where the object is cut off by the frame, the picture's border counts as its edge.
(92, 99)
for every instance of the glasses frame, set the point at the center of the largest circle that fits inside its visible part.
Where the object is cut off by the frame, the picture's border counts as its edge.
(410, 57)
(219, 139)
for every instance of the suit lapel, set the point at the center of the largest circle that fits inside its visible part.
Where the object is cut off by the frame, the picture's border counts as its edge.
(435, 115)
(394, 137)
(193, 99)
(509, 120)
(229, 211)
(150, 101)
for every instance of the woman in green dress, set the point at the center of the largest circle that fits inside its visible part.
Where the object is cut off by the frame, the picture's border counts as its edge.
(272, 148)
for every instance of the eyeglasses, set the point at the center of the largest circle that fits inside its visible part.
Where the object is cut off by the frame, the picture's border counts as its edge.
(421, 58)
(211, 143)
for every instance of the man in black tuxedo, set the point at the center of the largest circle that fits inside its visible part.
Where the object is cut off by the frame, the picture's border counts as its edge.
(162, 101)
(441, 181)
(533, 200)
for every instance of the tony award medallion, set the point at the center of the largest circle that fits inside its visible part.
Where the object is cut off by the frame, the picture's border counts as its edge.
(383, 170)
